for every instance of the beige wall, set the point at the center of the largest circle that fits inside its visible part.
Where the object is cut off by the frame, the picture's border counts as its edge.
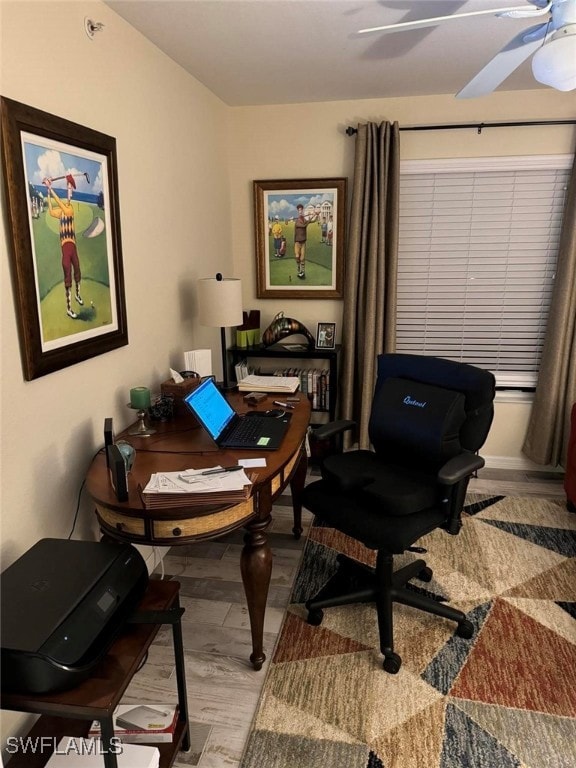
(174, 212)
(186, 163)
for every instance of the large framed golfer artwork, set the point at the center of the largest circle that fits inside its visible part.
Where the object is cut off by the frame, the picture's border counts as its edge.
(62, 202)
(299, 238)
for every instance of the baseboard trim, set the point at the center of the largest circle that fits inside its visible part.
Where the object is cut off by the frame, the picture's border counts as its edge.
(519, 462)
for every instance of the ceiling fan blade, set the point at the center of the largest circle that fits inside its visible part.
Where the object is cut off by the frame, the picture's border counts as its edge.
(505, 62)
(527, 13)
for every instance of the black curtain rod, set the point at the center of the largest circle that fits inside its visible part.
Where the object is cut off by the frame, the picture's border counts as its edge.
(479, 126)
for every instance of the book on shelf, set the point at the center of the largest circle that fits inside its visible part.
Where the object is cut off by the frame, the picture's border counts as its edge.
(272, 383)
(73, 752)
(139, 724)
(241, 369)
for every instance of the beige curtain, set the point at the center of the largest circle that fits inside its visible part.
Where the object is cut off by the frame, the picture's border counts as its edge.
(548, 430)
(369, 316)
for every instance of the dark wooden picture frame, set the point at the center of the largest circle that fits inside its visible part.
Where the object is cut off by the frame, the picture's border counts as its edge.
(326, 336)
(61, 183)
(283, 268)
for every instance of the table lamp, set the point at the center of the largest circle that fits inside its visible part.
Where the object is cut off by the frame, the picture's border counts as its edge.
(220, 306)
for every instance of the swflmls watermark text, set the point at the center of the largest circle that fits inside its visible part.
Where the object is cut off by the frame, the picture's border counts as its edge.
(65, 746)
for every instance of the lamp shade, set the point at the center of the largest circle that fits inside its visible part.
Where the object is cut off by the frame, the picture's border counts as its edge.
(554, 63)
(220, 301)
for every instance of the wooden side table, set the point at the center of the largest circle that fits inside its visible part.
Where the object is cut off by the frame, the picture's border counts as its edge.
(70, 713)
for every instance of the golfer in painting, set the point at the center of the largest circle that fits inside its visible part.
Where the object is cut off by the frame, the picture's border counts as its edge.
(300, 236)
(64, 211)
(277, 233)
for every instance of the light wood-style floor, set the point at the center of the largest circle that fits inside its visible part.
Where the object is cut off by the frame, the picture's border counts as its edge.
(223, 689)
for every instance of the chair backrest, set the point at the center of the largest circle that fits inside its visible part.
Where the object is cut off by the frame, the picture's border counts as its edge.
(429, 409)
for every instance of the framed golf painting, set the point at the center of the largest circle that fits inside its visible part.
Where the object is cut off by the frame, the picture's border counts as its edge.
(299, 228)
(62, 200)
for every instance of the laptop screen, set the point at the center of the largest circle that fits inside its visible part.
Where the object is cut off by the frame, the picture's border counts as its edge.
(210, 407)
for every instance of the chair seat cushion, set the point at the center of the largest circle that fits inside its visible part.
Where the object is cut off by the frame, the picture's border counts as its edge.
(382, 505)
(348, 513)
(396, 489)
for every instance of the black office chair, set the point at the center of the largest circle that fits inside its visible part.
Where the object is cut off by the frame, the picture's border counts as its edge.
(429, 418)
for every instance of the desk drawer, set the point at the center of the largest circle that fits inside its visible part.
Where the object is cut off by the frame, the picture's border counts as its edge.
(133, 526)
(204, 526)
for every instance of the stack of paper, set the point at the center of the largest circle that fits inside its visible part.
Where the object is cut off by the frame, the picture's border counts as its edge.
(86, 753)
(199, 361)
(192, 486)
(283, 384)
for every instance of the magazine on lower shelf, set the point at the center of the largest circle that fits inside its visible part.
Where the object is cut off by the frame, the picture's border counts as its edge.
(142, 723)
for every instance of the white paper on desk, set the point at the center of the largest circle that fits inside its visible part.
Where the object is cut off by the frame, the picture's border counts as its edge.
(171, 482)
(246, 463)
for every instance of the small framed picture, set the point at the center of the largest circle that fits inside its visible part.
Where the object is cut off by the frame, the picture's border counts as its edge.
(326, 336)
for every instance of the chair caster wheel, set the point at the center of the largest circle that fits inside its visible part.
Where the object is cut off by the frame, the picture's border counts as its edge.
(465, 629)
(392, 663)
(315, 616)
(425, 574)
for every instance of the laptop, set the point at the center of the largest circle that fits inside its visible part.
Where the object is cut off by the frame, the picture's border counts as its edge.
(230, 430)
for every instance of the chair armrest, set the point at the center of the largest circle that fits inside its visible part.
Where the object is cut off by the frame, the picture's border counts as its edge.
(459, 467)
(329, 430)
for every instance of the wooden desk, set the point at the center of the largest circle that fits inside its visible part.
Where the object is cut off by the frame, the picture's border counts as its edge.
(70, 713)
(177, 446)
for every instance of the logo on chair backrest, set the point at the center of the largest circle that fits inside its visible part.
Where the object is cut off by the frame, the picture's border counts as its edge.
(410, 401)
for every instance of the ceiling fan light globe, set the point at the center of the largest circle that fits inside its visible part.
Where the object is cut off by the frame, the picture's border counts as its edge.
(554, 64)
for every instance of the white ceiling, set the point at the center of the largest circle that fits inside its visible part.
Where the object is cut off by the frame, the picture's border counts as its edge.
(251, 52)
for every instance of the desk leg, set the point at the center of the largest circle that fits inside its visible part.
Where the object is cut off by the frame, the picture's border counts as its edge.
(181, 678)
(110, 747)
(297, 486)
(256, 569)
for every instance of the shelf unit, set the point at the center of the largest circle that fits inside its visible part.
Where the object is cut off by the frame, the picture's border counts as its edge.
(280, 352)
(70, 713)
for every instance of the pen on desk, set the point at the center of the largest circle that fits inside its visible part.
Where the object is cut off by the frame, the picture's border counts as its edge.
(221, 471)
(283, 405)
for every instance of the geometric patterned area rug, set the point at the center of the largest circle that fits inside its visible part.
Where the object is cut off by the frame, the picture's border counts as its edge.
(504, 699)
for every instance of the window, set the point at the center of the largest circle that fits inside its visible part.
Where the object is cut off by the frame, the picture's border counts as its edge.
(477, 253)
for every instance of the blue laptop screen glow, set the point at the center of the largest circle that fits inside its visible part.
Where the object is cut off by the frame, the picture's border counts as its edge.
(211, 408)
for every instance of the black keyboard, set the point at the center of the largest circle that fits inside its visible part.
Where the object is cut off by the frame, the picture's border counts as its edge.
(247, 430)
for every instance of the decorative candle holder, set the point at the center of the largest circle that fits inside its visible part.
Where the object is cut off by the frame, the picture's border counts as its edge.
(140, 401)
(141, 430)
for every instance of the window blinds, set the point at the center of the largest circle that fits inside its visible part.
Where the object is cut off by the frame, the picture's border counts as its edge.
(477, 255)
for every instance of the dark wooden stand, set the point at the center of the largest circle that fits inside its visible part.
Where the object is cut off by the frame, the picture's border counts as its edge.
(71, 713)
(280, 352)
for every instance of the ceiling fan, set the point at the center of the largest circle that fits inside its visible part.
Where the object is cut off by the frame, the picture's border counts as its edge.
(553, 43)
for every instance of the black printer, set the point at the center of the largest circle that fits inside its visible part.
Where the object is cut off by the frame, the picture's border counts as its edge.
(63, 603)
